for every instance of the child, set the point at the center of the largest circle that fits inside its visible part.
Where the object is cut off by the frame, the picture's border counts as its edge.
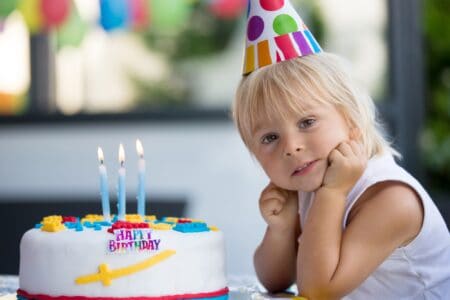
(343, 219)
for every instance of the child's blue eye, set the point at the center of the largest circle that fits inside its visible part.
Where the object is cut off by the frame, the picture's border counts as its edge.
(303, 124)
(268, 138)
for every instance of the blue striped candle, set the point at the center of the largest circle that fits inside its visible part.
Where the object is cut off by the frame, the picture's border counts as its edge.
(104, 191)
(121, 189)
(141, 180)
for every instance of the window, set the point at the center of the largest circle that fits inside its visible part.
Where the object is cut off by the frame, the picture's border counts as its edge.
(15, 65)
(189, 58)
(189, 55)
(356, 30)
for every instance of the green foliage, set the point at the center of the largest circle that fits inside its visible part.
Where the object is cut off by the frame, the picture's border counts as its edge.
(161, 94)
(201, 35)
(310, 12)
(436, 137)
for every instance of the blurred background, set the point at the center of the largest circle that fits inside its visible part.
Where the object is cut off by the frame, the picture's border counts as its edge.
(78, 74)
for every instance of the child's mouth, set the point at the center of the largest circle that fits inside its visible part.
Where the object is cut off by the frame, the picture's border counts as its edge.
(304, 168)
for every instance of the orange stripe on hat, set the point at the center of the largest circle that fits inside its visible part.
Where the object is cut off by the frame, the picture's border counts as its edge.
(249, 59)
(264, 58)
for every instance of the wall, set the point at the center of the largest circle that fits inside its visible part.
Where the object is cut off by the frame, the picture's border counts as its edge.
(206, 162)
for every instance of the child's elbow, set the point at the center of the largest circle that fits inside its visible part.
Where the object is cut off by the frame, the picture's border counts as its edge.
(275, 285)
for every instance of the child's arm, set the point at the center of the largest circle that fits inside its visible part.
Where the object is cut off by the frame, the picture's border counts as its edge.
(275, 258)
(331, 263)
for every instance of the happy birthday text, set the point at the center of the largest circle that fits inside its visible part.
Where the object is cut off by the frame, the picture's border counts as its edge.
(127, 240)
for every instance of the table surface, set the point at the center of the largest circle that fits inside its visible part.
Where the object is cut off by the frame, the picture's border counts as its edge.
(241, 288)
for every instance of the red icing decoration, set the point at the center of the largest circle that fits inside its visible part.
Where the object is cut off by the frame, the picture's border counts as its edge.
(68, 219)
(128, 225)
(218, 293)
(184, 221)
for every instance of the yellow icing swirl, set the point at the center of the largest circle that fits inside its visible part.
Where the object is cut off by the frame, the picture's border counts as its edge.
(105, 275)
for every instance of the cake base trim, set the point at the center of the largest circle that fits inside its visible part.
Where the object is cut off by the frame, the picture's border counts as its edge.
(211, 295)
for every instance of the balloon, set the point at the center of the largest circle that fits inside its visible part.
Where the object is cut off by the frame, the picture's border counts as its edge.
(54, 12)
(72, 32)
(113, 14)
(227, 9)
(139, 11)
(31, 13)
(169, 14)
(7, 7)
(11, 104)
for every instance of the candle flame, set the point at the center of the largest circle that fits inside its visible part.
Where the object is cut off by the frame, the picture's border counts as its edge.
(100, 155)
(139, 148)
(121, 154)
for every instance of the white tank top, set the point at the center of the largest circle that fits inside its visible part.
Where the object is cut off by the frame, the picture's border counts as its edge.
(419, 270)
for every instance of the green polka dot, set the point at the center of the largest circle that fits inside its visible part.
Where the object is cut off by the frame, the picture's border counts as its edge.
(284, 24)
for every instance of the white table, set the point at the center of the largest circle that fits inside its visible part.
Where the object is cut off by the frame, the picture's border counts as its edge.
(241, 288)
(8, 284)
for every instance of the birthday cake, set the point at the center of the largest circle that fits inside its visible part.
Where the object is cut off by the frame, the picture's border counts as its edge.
(67, 258)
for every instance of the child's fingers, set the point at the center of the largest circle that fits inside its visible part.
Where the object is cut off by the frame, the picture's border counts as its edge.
(356, 147)
(271, 206)
(271, 190)
(335, 155)
(271, 187)
(274, 194)
(345, 149)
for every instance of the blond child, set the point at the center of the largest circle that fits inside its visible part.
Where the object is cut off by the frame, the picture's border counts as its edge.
(343, 219)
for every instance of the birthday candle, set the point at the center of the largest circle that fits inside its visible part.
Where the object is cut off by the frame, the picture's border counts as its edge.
(141, 179)
(121, 185)
(103, 186)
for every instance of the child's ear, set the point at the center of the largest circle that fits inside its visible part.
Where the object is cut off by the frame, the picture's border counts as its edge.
(355, 133)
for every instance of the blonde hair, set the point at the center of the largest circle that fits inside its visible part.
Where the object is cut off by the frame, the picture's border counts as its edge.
(277, 90)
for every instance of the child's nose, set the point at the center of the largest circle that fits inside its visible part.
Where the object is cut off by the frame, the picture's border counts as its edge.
(293, 146)
(290, 152)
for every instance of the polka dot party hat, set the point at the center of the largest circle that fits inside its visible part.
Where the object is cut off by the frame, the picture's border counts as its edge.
(275, 32)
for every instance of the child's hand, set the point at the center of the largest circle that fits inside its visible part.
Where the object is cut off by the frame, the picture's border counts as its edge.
(279, 207)
(346, 164)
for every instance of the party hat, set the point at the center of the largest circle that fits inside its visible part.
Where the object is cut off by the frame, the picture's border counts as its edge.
(275, 32)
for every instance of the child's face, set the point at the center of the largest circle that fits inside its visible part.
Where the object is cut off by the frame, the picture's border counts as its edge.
(294, 151)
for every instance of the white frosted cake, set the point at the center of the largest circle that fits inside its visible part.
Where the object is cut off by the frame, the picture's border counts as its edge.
(65, 258)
